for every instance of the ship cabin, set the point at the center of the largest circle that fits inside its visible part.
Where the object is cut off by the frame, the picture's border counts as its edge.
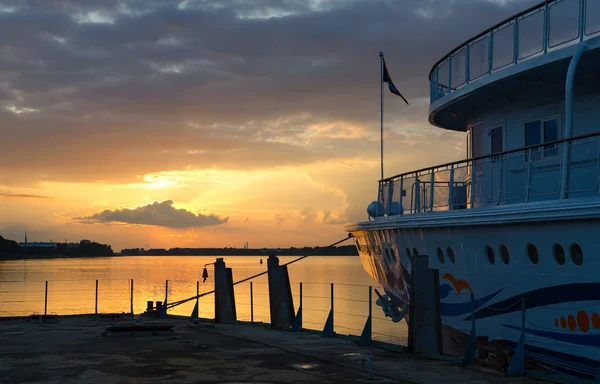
(526, 92)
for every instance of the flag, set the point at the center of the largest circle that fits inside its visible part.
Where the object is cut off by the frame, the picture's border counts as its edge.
(387, 79)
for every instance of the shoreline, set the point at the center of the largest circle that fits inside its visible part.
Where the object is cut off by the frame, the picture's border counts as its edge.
(17, 257)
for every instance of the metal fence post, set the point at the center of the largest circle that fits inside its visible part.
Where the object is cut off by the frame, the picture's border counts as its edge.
(131, 298)
(328, 330)
(96, 310)
(297, 325)
(46, 301)
(251, 304)
(366, 336)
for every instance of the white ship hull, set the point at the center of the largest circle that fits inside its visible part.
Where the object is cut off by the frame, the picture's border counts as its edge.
(562, 301)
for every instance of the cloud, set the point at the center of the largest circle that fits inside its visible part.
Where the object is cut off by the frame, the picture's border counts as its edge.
(10, 195)
(158, 85)
(161, 214)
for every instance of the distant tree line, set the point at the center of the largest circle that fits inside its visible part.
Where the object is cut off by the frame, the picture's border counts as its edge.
(9, 246)
(345, 250)
(84, 248)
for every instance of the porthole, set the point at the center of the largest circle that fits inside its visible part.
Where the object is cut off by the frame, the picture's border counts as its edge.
(415, 252)
(440, 254)
(393, 259)
(576, 254)
(450, 254)
(490, 254)
(408, 254)
(559, 254)
(532, 253)
(387, 256)
(504, 254)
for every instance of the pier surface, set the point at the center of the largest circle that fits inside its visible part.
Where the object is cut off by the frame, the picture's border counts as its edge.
(76, 350)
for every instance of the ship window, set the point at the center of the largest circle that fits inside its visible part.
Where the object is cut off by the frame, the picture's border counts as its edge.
(496, 136)
(559, 254)
(393, 256)
(504, 255)
(408, 254)
(532, 133)
(576, 254)
(532, 253)
(550, 134)
(542, 131)
(440, 255)
(450, 254)
(490, 254)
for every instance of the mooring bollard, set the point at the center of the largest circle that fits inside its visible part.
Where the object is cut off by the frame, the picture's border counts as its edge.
(96, 310)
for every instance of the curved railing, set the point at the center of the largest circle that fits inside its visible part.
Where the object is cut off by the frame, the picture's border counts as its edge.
(521, 175)
(546, 27)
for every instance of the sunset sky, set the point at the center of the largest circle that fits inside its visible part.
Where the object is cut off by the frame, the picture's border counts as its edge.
(208, 123)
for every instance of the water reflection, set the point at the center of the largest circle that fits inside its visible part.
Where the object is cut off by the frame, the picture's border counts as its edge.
(72, 288)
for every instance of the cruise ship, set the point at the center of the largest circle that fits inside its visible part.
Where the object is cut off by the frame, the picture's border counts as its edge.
(507, 241)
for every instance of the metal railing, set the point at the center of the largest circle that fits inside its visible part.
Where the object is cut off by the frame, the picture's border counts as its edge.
(529, 174)
(546, 27)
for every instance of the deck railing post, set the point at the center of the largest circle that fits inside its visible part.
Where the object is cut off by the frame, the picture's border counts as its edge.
(96, 310)
(437, 81)
(251, 304)
(473, 181)
(451, 189)
(582, 15)
(432, 193)
(417, 195)
(46, 301)
(516, 42)
(500, 170)
(546, 26)
(401, 207)
(467, 64)
(449, 73)
(529, 157)
(491, 53)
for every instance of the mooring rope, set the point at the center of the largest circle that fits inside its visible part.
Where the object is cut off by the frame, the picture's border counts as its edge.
(176, 303)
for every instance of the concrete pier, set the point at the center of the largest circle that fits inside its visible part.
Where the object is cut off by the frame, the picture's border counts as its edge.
(76, 351)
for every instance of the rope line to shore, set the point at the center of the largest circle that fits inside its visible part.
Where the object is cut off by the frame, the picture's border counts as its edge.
(176, 303)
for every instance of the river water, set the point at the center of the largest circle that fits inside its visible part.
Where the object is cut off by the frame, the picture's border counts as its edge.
(72, 288)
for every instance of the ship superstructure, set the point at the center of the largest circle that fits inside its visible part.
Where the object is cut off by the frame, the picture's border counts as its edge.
(520, 216)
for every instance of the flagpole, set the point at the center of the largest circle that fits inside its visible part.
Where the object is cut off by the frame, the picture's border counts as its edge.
(381, 101)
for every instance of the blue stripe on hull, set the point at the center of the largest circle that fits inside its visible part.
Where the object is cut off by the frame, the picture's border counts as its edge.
(540, 297)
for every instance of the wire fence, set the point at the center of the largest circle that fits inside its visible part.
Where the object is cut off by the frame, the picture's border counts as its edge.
(124, 296)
